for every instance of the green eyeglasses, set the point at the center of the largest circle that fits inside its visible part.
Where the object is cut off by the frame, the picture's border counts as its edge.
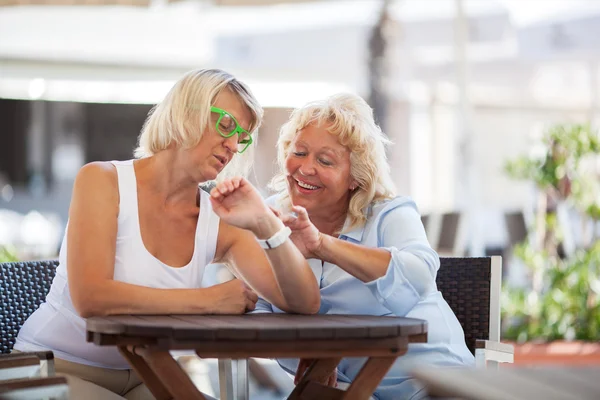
(227, 126)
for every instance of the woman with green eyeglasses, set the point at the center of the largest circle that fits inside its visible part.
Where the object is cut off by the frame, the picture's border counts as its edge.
(140, 234)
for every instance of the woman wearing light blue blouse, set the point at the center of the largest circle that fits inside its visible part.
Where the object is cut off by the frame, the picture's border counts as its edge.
(366, 246)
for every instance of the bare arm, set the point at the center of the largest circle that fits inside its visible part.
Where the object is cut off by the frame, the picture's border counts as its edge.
(280, 275)
(91, 238)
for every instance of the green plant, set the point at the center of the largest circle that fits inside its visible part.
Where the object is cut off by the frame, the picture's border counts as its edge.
(561, 301)
(7, 255)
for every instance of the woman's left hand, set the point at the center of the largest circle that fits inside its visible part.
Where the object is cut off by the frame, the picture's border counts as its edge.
(238, 203)
(305, 235)
(303, 365)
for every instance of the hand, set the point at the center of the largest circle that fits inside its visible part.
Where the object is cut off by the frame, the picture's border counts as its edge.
(238, 203)
(232, 297)
(303, 365)
(305, 235)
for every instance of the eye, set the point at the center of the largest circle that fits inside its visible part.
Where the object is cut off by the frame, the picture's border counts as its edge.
(299, 154)
(325, 162)
(243, 137)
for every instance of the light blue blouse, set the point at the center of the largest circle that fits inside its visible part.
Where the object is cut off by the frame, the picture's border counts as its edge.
(408, 289)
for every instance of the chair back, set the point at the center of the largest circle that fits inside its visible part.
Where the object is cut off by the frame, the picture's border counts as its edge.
(515, 227)
(23, 287)
(471, 286)
(452, 234)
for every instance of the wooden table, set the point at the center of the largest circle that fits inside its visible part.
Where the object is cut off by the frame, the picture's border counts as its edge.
(145, 341)
(512, 382)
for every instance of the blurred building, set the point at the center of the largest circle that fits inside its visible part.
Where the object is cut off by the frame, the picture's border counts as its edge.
(467, 84)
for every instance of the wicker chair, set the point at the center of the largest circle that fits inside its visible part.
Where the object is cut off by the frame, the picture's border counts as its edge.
(23, 287)
(471, 286)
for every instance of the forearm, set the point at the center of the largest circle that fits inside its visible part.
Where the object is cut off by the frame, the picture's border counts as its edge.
(296, 282)
(111, 297)
(364, 263)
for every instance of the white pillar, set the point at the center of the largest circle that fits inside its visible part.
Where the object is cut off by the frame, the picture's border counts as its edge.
(593, 65)
(466, 178)
(36, 148)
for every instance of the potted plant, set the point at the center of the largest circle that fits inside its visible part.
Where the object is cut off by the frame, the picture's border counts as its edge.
(556, 317)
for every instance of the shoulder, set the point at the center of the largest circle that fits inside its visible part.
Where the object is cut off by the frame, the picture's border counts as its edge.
(389, 208)
(101, 171)
(397, 219)
(97, 177)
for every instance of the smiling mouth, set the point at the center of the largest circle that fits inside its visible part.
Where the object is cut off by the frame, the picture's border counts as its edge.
(306, 186)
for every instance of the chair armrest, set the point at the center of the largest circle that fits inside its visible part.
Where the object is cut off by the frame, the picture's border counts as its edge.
(55, 387)
(45, 359)
(42, 355)
(19, 367)
(493, 345)
(492, 351)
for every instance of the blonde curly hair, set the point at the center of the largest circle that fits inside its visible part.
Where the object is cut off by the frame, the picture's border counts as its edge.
(350, 118)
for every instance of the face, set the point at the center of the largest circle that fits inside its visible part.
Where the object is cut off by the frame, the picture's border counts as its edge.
(318, 171)
(214, 151)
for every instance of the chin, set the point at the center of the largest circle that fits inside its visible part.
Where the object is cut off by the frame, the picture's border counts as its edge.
(301, 201)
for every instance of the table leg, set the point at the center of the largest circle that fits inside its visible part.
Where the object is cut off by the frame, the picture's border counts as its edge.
(226, 379)
(242, 379)
(369, 378)
(170, 373)
(319, 371)
(149, 378)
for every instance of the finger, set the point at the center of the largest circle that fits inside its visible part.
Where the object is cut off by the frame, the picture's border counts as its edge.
(292, 224)
(242, 181)
(302, 214)
(223, 189)
(236, 181)
(300, 371)
(214, 193)
(332, 378)
(229, 185)
(250, 306)
(252, 295)
(287, 219)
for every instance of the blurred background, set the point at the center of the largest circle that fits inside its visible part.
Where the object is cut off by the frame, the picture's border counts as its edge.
(492, 105)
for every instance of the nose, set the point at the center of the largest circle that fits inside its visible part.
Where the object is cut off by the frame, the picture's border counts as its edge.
(231, 143)
(307, 168)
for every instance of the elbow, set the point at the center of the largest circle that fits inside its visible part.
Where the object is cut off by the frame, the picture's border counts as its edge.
(88, 313)
(308, 308)
(312, 308)
(315, 308)
(88, 305)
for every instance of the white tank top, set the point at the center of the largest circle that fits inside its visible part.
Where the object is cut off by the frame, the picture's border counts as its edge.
(56, 325)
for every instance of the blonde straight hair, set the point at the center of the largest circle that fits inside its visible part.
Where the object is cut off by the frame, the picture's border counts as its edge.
(184, 115)
(350, 118)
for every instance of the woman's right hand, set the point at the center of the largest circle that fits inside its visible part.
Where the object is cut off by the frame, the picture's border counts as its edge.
(232, 297)
(305, 235)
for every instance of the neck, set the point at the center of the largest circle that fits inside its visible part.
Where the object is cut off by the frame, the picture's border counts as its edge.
(329, 222)
(165, 174)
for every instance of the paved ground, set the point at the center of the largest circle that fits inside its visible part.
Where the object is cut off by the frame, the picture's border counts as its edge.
(204, 373)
